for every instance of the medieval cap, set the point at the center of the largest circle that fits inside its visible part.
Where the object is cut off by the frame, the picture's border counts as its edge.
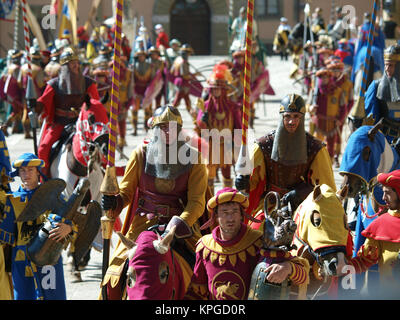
(225, 195)
(26, 160)
(391, 179)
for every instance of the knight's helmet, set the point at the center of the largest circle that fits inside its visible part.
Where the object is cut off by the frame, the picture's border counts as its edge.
(166, 114)
(186, 50)
(55, 55)
(68, 55)
(14, 56)
(292, 103)
(35, 55)
(392, 53)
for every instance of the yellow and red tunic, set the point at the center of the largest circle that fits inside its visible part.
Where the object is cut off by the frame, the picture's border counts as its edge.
(224, 268)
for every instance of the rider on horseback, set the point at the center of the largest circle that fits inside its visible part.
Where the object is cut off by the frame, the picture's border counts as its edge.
(61, 102)
(287, 160)
(164, 187)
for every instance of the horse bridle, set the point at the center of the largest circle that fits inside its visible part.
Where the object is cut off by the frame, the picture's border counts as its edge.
(324, 252)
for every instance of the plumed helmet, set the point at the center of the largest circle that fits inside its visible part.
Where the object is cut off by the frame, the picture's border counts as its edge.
(218, 78)
(292, 103)
(166, 114)
(68, 55)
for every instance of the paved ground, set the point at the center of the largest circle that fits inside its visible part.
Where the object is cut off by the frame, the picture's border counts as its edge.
(267, 115)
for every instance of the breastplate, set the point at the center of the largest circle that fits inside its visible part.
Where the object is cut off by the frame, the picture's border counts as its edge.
(283, 178)
(163, 198)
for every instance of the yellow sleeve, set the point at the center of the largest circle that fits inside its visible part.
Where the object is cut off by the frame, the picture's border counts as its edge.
(321, 169)
(130, 180)
(197, 186)
(259, 172)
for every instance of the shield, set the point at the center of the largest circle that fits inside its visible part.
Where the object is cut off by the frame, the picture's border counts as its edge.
(42, 250)
(153, 89)
(88, 227)
(261, 289)
(196, 88)
(261, 86)
(51, 191)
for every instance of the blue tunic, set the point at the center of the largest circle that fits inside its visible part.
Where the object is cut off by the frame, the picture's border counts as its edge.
(30, 281)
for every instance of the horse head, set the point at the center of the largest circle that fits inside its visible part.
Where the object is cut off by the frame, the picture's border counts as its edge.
(322, 232)
(90, 143)
(367, 153)
(153, 272)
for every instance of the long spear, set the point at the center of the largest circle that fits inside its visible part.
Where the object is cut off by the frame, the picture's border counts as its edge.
(31, 94)
(110, 183)
(358, 113)
(243, 166)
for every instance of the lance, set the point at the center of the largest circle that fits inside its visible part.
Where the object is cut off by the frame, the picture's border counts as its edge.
(110, 183)
(303, 58)
(243, 166)
(31, 95)
(358, 112)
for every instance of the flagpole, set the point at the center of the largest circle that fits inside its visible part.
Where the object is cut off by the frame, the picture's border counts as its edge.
(358, 112)
(31, 94)
(110, 183)
(243, 164)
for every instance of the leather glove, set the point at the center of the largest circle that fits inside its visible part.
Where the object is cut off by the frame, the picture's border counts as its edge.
(204, 117)
(242, 182)
(108, 202)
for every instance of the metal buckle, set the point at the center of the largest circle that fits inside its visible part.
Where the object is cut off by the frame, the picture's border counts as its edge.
(161, 214)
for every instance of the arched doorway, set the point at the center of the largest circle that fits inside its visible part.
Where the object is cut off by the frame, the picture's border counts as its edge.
(190, 23)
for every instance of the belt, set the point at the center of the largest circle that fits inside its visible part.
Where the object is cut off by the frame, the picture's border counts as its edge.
(67, 113)
(160, 210)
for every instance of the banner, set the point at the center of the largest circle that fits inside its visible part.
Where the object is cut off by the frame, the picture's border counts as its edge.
(6, 7)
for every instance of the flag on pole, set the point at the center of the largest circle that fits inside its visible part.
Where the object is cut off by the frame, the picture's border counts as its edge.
(68, 21)
(6, 7)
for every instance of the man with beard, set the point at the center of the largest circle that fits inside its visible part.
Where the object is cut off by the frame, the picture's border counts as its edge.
(61, 102)
(222, 114)
(287, 160)
(164, 181)
(382, 99)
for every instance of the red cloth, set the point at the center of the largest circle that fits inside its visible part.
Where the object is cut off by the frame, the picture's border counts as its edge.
(47, 99)
(162, 39)
(384, 228)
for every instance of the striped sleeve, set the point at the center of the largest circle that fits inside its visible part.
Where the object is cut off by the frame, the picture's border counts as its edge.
(367, 256)
(299, 274)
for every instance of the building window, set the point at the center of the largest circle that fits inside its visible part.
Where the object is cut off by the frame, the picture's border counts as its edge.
(389, 5)
(268, 8)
